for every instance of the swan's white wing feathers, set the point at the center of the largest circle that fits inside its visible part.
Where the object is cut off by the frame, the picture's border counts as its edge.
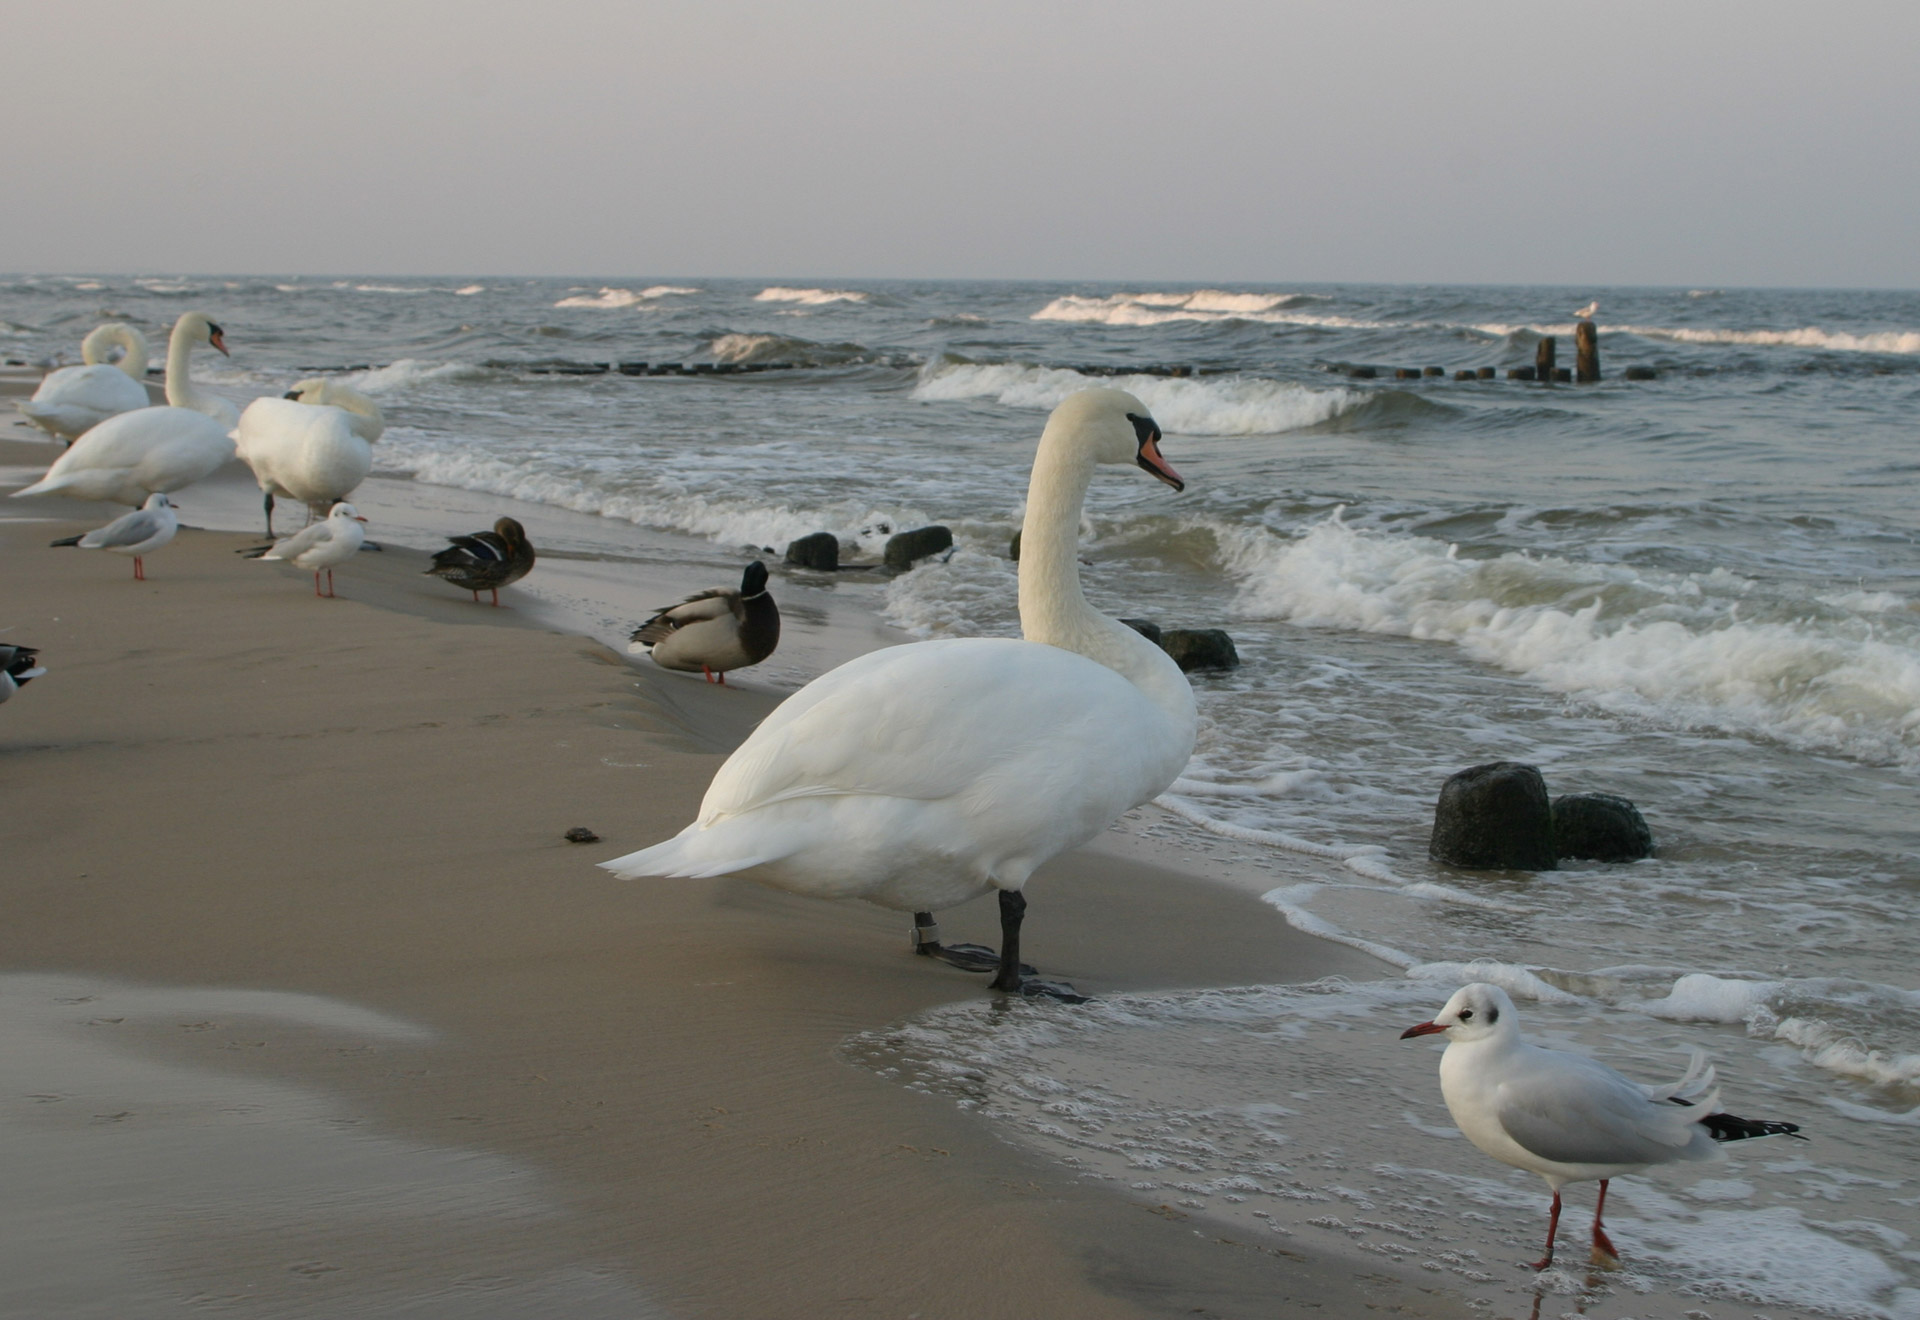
(901, 723)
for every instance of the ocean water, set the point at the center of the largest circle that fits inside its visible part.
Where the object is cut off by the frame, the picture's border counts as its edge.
(1700, 591)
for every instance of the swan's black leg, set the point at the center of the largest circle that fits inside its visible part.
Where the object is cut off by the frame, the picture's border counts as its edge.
(967, 957)
(268, 501)
(1013, 910)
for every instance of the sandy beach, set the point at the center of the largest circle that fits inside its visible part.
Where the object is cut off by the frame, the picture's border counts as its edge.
(312, 1009)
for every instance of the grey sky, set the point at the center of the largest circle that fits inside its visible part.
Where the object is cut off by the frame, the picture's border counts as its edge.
(1672, 143)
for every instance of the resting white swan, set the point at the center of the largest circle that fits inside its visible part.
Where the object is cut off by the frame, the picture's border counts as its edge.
(313, 445)
(129, 457)
(921, 776)
(74, 399)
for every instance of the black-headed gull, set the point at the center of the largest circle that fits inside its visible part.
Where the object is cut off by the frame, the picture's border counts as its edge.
(1566, 1117)
(138, 534)
(333, 540)
(17, 666)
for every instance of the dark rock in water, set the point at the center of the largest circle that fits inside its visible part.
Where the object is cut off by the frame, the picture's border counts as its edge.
(821, 551)
(1494, 818)
(1600, 827)
(633, 368)
(1640, 373)
(1199, 648)
(904, 548)
(1486, 373)
(1361, 373)
(1147, 628)
(1466, 373)
(581, 834)
(1013, 548)
(1519, 373)
(1436, 371)
(1406, 373)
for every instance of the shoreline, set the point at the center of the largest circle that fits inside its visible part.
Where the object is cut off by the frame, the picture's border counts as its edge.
(204, 802)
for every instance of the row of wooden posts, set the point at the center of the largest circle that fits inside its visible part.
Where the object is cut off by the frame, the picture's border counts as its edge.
(1585, 370)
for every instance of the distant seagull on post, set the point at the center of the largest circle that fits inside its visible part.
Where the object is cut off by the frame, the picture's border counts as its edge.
(1586, 312)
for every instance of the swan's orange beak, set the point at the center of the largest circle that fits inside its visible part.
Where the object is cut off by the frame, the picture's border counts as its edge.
(1423, 1029)
(219, 340)
(1151, 460)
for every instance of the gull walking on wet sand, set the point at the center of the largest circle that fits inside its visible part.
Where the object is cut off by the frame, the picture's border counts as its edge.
(333, 540)
(138, 534)
(1566, 1117)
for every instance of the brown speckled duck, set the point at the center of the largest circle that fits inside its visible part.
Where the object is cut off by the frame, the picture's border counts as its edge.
(714, 631)
(486, 561)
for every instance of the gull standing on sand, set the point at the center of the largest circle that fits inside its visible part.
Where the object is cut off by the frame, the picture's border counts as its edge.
(332, 541)
(921, 776)
(1566, 1117)
(715, 630)
(17, 667)
(137, 534)
(486, 561)
(73, 400)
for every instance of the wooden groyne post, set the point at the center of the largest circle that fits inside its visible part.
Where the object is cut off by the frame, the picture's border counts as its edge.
(1586, 353)
(1543, 360)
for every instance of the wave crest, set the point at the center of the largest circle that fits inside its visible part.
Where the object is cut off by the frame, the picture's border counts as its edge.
(611, 299)
(809, 297)
(1214, 405)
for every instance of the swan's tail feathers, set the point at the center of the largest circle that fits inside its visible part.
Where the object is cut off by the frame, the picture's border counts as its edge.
(41, 487)
(674, 858)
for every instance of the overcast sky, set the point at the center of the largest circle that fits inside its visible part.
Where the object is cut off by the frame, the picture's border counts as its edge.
(1722, 144)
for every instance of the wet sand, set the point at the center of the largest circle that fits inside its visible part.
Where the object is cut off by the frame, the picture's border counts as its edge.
(315, 1012)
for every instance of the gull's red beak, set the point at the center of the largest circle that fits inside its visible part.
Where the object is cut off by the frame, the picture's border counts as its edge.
(1151, 460)
(1424, 1029)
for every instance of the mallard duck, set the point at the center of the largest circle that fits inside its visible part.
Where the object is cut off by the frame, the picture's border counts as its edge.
(137, 534)
(714, 631)
(921, 776)
(16, 668)
(486, 561)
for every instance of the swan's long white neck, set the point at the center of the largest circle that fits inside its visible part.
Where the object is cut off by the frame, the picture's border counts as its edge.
(1055, 611)
(93, 349)
(180, 388)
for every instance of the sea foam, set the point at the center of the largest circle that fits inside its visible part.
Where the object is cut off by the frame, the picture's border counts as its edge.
(1151, 309)
(1214, 405)
(809, 297)
(610, 298)
(1693, 650)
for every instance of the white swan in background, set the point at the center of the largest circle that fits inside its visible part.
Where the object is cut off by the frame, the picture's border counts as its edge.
(921, 776)
(74, 399)
(313, 445)
(131, 456)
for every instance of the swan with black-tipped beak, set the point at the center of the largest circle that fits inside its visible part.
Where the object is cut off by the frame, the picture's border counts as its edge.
(920, 776)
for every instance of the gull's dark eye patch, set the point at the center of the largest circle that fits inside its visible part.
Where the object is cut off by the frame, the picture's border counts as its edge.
(1493, 1015)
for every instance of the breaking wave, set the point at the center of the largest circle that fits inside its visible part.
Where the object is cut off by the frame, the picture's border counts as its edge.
(809, 297)
(1150, 309)
(786, 348)
(1694, 650)
(611, 299)
(1213, 405)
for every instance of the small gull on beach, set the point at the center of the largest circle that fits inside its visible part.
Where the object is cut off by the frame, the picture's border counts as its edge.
(138, 534)
(333, 540)
(1566, 1117)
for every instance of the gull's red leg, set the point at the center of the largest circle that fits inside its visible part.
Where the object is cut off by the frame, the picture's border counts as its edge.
(1601, 1242)
(1553, 1226)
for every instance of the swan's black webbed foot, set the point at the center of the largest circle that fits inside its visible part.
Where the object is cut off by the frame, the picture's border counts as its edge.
(1015, 977)
(967, 957)
(1034, 988)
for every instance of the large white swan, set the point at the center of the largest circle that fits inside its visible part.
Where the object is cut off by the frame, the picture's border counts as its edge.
(313, 445)
(921, 776)
(131, 456)
(74, 399)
